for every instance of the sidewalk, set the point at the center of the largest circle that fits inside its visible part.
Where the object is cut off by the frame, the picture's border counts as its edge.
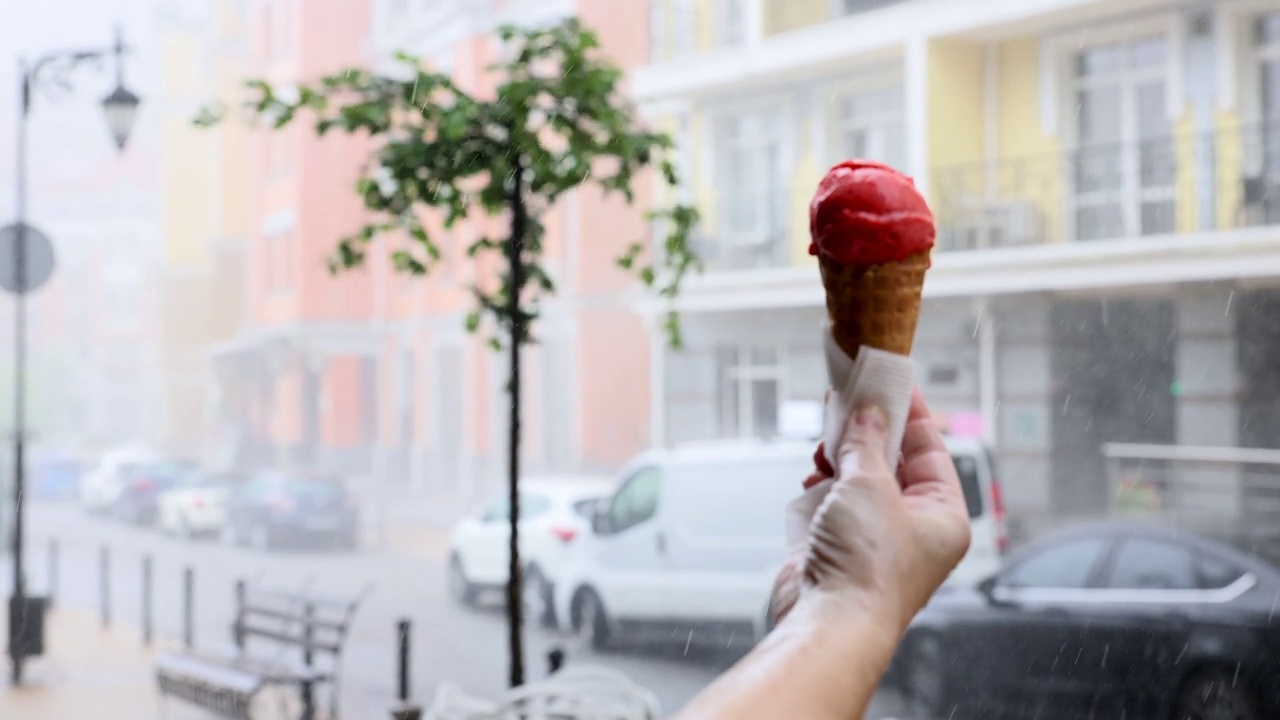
(87, 672)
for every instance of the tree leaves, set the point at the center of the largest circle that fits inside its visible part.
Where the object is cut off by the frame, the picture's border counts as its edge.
(559, 114)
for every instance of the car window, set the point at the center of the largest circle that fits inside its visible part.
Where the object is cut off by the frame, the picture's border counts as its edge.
(967, 469)
(1214, 572)
(586, 508)
(1066, 565)
(1142, 564)
(636, 501)
(531, 506)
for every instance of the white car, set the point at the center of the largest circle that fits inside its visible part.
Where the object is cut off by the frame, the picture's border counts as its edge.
(103, 486)
(196, 506)
(693, 538)
(555, 514)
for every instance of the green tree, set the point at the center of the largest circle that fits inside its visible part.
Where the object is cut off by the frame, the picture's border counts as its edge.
(559, 120)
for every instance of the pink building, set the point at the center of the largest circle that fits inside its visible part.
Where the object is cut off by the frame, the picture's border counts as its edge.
(374, 373)
(298, 382)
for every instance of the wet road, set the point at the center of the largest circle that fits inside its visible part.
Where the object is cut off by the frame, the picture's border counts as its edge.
(466, 647)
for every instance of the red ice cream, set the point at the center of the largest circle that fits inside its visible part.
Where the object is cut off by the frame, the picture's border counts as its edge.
(867, 213)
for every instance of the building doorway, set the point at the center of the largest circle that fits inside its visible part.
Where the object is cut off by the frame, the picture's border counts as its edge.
(1113, 370)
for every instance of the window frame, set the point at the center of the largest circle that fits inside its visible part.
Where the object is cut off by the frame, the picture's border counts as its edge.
(760, 109)
(1128, 79)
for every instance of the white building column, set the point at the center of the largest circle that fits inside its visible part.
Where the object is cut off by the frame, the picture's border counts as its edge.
(915, 79)
(657, 381)
(988, 389)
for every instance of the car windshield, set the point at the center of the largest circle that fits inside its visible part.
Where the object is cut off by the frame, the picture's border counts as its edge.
(297, 293)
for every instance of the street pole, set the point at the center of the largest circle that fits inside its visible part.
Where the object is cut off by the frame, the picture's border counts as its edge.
(19, 371)
(120, 108)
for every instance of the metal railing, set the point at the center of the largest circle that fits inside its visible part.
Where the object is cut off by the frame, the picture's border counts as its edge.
(1172, 185)
(722, 252)
(1227, 492)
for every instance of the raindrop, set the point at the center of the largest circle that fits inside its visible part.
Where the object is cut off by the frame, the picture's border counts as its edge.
(978, 323)
(1181, 653)
(734, 632)
(689, 641)
(1066, 403)
(1231, 296)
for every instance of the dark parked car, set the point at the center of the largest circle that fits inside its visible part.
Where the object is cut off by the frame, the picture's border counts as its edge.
(142, 485)
(1106, 621)
(278, 509)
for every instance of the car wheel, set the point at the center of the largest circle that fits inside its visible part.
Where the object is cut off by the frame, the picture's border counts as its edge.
(538, 597)
(592, 619)
(460, 588)
(925, 684)
(1215, 695)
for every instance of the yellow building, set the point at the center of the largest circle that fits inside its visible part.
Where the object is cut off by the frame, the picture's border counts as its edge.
(1106, 182)
(204, 173)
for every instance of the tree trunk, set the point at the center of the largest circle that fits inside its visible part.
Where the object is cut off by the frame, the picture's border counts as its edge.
(515, 603)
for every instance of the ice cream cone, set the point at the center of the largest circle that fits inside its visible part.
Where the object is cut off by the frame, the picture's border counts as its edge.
(874, 305)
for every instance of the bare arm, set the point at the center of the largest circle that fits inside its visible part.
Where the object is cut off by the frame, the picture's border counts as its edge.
(823, 663)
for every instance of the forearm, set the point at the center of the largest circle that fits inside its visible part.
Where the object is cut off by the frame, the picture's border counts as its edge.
(823, 662)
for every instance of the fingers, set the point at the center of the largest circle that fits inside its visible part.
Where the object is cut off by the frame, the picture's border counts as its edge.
(862, 446)
(921, 435)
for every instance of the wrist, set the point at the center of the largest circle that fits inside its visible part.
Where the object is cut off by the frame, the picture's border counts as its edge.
(852, 621)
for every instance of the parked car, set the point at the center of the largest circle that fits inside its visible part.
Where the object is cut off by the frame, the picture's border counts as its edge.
(103, 485)
(1110, 620)
(693, 537)
(197, 505)
(303, 509)
(554, 514)
(141, 486)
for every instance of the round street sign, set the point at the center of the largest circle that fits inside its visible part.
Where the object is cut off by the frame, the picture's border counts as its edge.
(38, 254)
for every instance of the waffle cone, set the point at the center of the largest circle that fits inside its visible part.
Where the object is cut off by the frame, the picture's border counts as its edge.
(875, 305)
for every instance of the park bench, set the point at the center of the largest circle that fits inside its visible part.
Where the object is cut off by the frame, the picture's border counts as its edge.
(305, 634)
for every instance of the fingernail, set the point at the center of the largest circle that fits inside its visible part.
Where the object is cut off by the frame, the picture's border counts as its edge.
(871, 417)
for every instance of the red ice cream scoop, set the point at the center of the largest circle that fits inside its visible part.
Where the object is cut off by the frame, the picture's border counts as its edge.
(867, 213)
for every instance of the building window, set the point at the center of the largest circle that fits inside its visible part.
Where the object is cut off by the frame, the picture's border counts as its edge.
(853, 7)
(753, 189)
(1125, 166)
(750, 395)
(731, 22)
(682, 28)
(870, 124)
(368, 400)
(408, 398)
(1262, 188)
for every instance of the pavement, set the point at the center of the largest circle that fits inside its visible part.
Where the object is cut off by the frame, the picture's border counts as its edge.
(85, 671)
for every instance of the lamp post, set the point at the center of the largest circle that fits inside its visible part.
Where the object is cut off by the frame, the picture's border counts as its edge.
(50, 72)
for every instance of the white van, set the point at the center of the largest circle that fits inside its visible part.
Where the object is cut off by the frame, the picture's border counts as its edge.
(691, 539)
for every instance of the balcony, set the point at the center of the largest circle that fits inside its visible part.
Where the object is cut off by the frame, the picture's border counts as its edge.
(723, 253)
(1171, 186)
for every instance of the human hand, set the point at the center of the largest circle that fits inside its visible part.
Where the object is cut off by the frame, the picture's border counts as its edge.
(880, 544)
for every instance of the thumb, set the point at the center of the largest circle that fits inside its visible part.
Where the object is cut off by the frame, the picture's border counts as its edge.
(862, 446)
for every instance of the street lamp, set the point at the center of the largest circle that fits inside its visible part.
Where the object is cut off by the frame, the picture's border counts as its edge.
(52, 71)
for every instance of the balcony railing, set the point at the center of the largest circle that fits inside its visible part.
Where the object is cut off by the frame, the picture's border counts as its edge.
(1172, 185)
(726, 252)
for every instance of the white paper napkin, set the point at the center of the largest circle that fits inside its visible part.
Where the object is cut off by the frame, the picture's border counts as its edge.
(874, 377)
